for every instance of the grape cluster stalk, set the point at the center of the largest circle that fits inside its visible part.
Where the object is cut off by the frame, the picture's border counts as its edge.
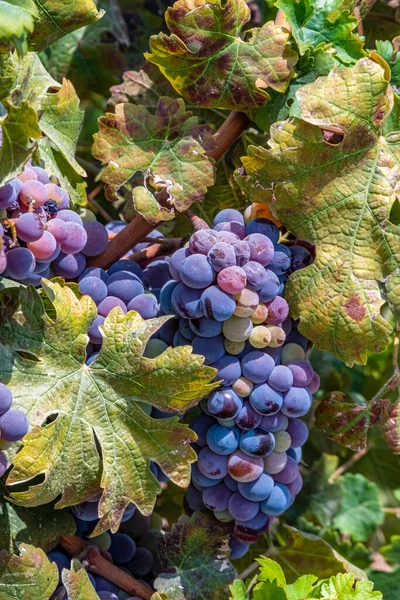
(227, 294)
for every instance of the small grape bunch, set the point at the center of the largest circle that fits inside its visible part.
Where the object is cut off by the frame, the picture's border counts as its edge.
(227, 294)
(13, 424)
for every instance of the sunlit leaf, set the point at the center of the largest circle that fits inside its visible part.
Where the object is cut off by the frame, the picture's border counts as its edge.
(30, 576)
(77, 583)
(17, 18)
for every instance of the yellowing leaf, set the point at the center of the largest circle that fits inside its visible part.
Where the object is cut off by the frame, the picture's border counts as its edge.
(167, 147)
(337, 193)
(77, 583)
(42, 359)
(211, 65)
(17, 18)
(30, 576)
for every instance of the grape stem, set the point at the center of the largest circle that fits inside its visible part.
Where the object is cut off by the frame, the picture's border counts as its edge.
(139, 228)
(96, 563)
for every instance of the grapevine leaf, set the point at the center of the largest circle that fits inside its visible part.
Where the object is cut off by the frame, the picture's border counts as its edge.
(347, 422)
(304, 553)
(329, 21)
(30, 576)
(197, 550)
(19, 126)
(238, 591)
(57, 18)
(360, 510)
(390, 427)
(210, 65)
(301, 588)
(31, 80)
(17, 18)
(270, 590)
(56, 164)
(143, 87)
(392, 551)
(62, 122)
(270, 571)
(145, 203)
(91, 57)
(343, 587)
(339, 196)
(387, 583)
(77, 583)
(386, 50)
(43, 363)
(167, 147)
(42, 527)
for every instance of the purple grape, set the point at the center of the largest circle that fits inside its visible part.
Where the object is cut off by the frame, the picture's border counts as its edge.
(125, 289)
(257, 490)
(176, 261)
(282, 259)
(97, 238)
(3, 463)
(217, 497)
(202, 481)
(202, 241)
(256, 275)
(264, 227)
(298, 432)
(86, 511)
(301, 258)
(232, 227)
(205, 327)
(123, 548)
(242, 252)
(94, 272)
(211, 348)
(186, 330)
(238, 549)
(295, 486)
(250, 530)
(277, 502)
(20, 263)
(231, 483)
(270, 287)
(109, 303)
(126, 265)
(41, 175)
(5, 398)
(257, 442)
(29, 227)
(156, 274)
(278, 310)
(69, 266)
(200, 426)
(165, 297)
(60, 197)
(76, 239)
(281, 378)
(232, 280)
(58, 229)
(243, 468)
(261, 248)
(241, 508)
(266, 400)
(288, 473)
(229, 370)
(223, 440)
(221, 255)
(93, 287)
(224, 404)
(142, 563)
(217, 304)
(196, 272)
(61, 561)
(296, 402)
(8, 196)
(315, 383)
(145, 304)
(248, 418)
(257, 366)
(13, 425)
(302, 372)
(186, 302)
(94, 332)
(69, 216)
(228, 214)
(212, 465)
(274, 423)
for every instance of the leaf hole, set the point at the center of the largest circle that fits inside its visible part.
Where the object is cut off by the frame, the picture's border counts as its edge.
(26, 355)
(394, 216)
(333, 138)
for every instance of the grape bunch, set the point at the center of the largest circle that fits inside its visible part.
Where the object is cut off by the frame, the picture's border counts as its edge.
(227, 292)
(133, 548)
(13, 425)
(39, 235)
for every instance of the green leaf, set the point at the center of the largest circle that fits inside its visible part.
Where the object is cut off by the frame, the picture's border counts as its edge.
(42, 527)
(77, 583)
(238, 591)
(17, 18)
(341, 588)
(43, 363)
(360, 511)
(210, 65)
(62, 122)
(347, 422)
(329, 21)
(387, 583)
(304, 553)
(30, 576)
(19, 126)
(146, 204)
(197, 550)
(269, 590)
(31, 80)
(56, 164)
(57, 18)
(337, 194)
(270, 571)
(167, 147)
(386, 50)
(301, 588)
(392, 551)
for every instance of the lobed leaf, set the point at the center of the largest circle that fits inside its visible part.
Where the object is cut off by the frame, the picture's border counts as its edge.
(343, 587)
(29, 576)
(387, 583)
(77, 583)
(337, 193)
(17, 18)
(211, 65)
(42, 358)
(391, 551)
(167, 147)
(196, 550)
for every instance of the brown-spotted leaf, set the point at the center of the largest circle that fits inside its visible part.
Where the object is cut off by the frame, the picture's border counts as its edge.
(169, 148)
(390, 427)
(99, 436)
(194, 558)
(210, 63)
(347, 422)
(338, 193)
(77, 583)
(29, 576)
(143, 87)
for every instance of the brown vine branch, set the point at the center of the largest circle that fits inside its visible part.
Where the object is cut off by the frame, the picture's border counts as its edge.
(139, 228)
(347, 465)
(155, 250)
(96, 563)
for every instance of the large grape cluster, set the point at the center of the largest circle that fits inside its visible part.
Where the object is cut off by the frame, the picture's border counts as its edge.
(227, 293)
(13, 424)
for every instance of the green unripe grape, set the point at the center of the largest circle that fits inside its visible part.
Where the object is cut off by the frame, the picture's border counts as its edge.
(260, 337)
(102, 541)
(246, 303)
(149, 540)
(260, 314)
(243, 387)
(237, 329)
(223, 515)
(234, 347)
(154, 348)
(156, 521)
(87, 215)
(278, 336)
(5, 445)
(292, 352)
(282, 441)
(227, 422)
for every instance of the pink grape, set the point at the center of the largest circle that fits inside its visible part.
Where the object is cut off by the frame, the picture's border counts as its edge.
(44, 247)
(261, 248)
(232, 280)
(33, 192)
(58, 195)
(76, 240)
(58, 229)
(28, 174)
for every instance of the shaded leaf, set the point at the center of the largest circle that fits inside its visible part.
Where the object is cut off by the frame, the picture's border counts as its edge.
(387, 583)
(167, 147)
(62, 122)
(391, 551)
(386, 50)
(77, 583)
(55, 164)
(210, 65)
(305, 553)
(329, 21)
(390, 427)
(57, 18)
(42, 527)
(360, 511)
(30, 576)
(19, 126)
(17, 18)
(347, 422)
(96, 404)
(143, 87)
(197, 550)
(339, 196)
